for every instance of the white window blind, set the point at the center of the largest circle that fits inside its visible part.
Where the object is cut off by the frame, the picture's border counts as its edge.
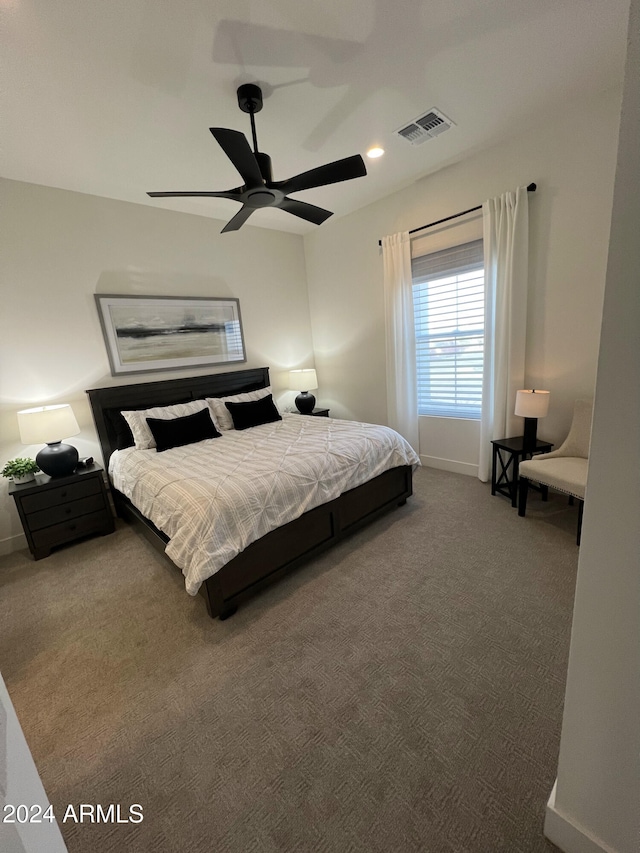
(448, 298)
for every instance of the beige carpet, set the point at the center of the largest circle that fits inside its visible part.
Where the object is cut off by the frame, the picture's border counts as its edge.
(401, 693)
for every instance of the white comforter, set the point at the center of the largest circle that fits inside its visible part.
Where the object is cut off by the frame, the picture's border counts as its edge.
(214, 498)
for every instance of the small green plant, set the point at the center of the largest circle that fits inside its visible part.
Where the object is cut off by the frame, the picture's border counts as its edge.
(20, 468)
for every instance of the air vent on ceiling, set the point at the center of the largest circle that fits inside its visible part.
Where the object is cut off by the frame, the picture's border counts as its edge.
(426, 126)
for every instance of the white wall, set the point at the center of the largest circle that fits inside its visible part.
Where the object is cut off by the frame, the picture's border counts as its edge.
(569, 225)
(59, 248)
(596, 803)
(21, 784)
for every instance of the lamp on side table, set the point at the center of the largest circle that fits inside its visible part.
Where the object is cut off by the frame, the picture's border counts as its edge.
(304, 381)
(49, 425)
(531, 405)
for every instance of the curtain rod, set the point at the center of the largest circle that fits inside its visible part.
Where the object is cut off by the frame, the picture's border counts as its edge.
(531, 188)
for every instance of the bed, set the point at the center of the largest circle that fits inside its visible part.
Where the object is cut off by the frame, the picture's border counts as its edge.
(224, 583)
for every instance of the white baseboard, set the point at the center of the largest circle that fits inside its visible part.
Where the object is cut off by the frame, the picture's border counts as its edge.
(12, 543)
(449, 465)
(567, 835)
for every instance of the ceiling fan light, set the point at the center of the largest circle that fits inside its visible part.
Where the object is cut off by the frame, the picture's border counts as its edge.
(374, 152)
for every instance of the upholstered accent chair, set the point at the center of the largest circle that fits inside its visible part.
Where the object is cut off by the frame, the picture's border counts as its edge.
(564, 469)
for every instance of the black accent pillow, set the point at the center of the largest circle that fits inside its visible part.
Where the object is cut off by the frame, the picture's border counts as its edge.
(253, 413)
(176, 432)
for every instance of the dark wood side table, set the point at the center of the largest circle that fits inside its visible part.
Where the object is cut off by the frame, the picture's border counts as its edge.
(316, 413)
(57, 510)
(507, 455)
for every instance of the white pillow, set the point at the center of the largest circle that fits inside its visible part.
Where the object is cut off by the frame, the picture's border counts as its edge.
(142, 436)
(220, 413)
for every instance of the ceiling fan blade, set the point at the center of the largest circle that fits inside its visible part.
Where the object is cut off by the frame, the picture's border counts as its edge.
(332, 173)
(310, 212)
(235, 146)
(232, 194)
(239, 219)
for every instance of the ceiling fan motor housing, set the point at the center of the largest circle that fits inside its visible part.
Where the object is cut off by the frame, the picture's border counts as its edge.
(250, 98)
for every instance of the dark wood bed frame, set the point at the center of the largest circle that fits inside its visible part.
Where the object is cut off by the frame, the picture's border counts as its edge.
(279, 551)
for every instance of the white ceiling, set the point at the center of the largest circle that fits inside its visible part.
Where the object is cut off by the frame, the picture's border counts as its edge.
(115, 97)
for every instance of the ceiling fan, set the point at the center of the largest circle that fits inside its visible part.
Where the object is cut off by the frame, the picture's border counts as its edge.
(259, 188)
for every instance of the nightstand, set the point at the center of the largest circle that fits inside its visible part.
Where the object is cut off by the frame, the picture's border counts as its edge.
(316, 413)
(508, 453)
(57, 510)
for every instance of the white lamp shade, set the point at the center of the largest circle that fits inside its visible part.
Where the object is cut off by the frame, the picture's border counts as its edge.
(47, 424)
(303, 380)
(532, 404)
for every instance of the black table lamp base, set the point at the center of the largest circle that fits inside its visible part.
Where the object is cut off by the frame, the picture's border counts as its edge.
(530, 435)
(57, 459)
(305, 402)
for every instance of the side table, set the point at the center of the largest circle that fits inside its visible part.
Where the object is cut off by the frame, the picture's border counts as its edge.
(315, 413)
(507, 455)
(57, 510)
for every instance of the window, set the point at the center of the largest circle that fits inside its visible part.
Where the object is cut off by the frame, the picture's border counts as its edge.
(448, 299)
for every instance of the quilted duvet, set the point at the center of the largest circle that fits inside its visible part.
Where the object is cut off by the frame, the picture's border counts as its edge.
(214, 498)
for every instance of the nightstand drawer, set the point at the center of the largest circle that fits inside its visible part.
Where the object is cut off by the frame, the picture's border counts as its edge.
(61, 495)
(66, 512)
(69, 530)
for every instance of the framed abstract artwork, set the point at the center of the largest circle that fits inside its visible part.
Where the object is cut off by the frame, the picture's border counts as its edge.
(146, 333)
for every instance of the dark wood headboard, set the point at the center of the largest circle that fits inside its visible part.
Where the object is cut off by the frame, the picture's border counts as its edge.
(107, 403)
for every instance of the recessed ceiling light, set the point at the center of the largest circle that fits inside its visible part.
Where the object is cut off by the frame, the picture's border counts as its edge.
(374, 152)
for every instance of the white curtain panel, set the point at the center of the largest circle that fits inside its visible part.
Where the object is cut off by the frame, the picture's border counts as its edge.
(506, 247)
(402, 395)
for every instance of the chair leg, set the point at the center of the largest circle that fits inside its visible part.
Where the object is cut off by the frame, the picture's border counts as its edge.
(523, 491)
(544, 491)
(580, 511)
